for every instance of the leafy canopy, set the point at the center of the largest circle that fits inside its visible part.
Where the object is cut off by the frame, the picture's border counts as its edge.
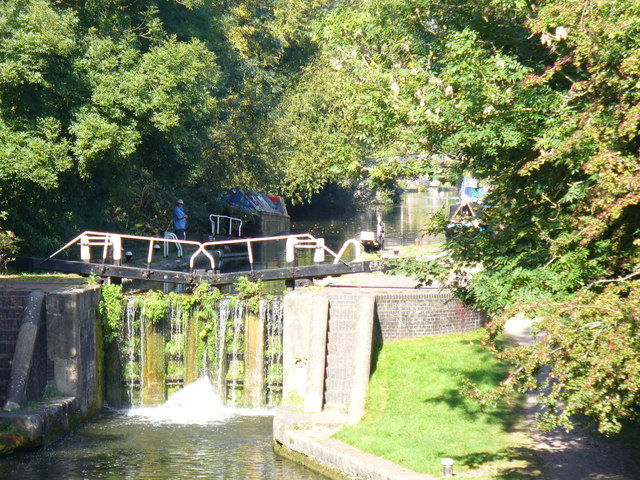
(537, 101)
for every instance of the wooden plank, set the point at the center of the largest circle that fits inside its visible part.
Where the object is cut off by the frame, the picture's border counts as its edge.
(194, 277)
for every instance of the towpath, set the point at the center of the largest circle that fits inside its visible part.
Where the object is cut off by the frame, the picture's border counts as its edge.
(575, 455)
(371, 281)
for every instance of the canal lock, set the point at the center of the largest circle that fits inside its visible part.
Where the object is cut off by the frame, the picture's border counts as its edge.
(167, 341)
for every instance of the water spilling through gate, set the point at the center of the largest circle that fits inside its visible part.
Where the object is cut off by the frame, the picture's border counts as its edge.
(166, 342)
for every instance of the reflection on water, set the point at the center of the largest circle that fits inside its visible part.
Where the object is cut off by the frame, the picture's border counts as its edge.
(139, 445)
(404, 221)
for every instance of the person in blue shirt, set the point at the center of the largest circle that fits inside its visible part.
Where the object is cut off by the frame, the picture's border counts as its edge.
(180, 221)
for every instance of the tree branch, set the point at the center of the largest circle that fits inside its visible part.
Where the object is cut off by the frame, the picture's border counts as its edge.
(610, 280)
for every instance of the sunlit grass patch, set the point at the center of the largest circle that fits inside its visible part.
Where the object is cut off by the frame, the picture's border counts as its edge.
(416, 414)
(40, 277)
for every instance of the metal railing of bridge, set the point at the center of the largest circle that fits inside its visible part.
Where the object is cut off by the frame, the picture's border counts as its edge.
(216, 221)
(111, 245)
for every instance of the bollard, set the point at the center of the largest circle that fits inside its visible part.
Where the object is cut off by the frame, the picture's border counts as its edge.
(447, 467)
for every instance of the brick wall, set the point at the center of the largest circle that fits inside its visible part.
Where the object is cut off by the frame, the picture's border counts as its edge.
(340, 341)
(397, 316)
(424, 313)
(12, 305)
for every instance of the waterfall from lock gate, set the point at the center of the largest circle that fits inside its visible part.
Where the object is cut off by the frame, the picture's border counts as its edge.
(231, 345)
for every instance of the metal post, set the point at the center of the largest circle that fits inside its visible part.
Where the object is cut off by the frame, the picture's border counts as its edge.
(85, 249)
(105, 249)
(318, 255)
(250, 251)
(150, 255)
(116, 242)
(447, 467)
(291, 250)
(290, 257)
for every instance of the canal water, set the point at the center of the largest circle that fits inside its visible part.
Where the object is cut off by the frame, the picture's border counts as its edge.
(165, 443)
(404, 220)
(197, 437)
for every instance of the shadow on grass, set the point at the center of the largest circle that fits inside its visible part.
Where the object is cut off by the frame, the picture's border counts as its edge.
(377, 344)
(506, 413)
(508, 464)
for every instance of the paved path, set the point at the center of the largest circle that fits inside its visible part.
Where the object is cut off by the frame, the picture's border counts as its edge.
(371, 281)
(574, 455)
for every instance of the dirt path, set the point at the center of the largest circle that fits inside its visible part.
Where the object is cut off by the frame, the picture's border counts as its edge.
(575, 455)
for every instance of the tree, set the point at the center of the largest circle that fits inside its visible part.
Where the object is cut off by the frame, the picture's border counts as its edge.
(556, 136)
(99, 101)
(268, 42)
(396, 78)
(538, 101)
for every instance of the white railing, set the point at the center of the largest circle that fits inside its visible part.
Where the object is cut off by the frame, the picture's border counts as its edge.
(171, 236)
(112, 243)
(293, 242)
(215, 224)
(356, 245)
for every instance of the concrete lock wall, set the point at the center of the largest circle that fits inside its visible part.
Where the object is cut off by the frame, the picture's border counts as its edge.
(74, 343)
(12, 305)
(328, 340)
(48, 339)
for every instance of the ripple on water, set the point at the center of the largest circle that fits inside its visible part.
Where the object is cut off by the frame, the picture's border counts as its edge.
(190, 437)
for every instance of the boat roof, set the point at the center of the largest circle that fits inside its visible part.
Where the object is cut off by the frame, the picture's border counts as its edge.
(256, 202)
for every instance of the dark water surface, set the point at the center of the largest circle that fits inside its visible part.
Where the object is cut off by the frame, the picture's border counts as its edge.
(404, 220)
(119, 445)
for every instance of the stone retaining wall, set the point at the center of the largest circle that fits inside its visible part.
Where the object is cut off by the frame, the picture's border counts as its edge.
(424, 313)
(64, 351)
(396, 316)
(327, 355)
(343, 315)
(74, 338)
(12, 305)
(326, 362)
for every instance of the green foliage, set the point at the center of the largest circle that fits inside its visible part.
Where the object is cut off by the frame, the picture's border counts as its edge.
(590, 348)
(8, 244)
(204, 296)
(104, 112)
(251, 292)
(107, 112)
(426, 272)
(174, 347)
(539, 103)
(396, 77)
(8, 428)
(390, 169)
(155, 306)
(202, 305)
(110, 310)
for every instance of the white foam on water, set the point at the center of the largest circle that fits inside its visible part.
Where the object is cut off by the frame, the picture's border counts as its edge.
(197, 403)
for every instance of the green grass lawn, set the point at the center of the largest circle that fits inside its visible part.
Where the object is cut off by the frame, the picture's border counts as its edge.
(40, 277)
(416, 414)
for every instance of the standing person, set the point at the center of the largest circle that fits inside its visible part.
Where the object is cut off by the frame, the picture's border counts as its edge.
(380, 228)
(180, 221)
